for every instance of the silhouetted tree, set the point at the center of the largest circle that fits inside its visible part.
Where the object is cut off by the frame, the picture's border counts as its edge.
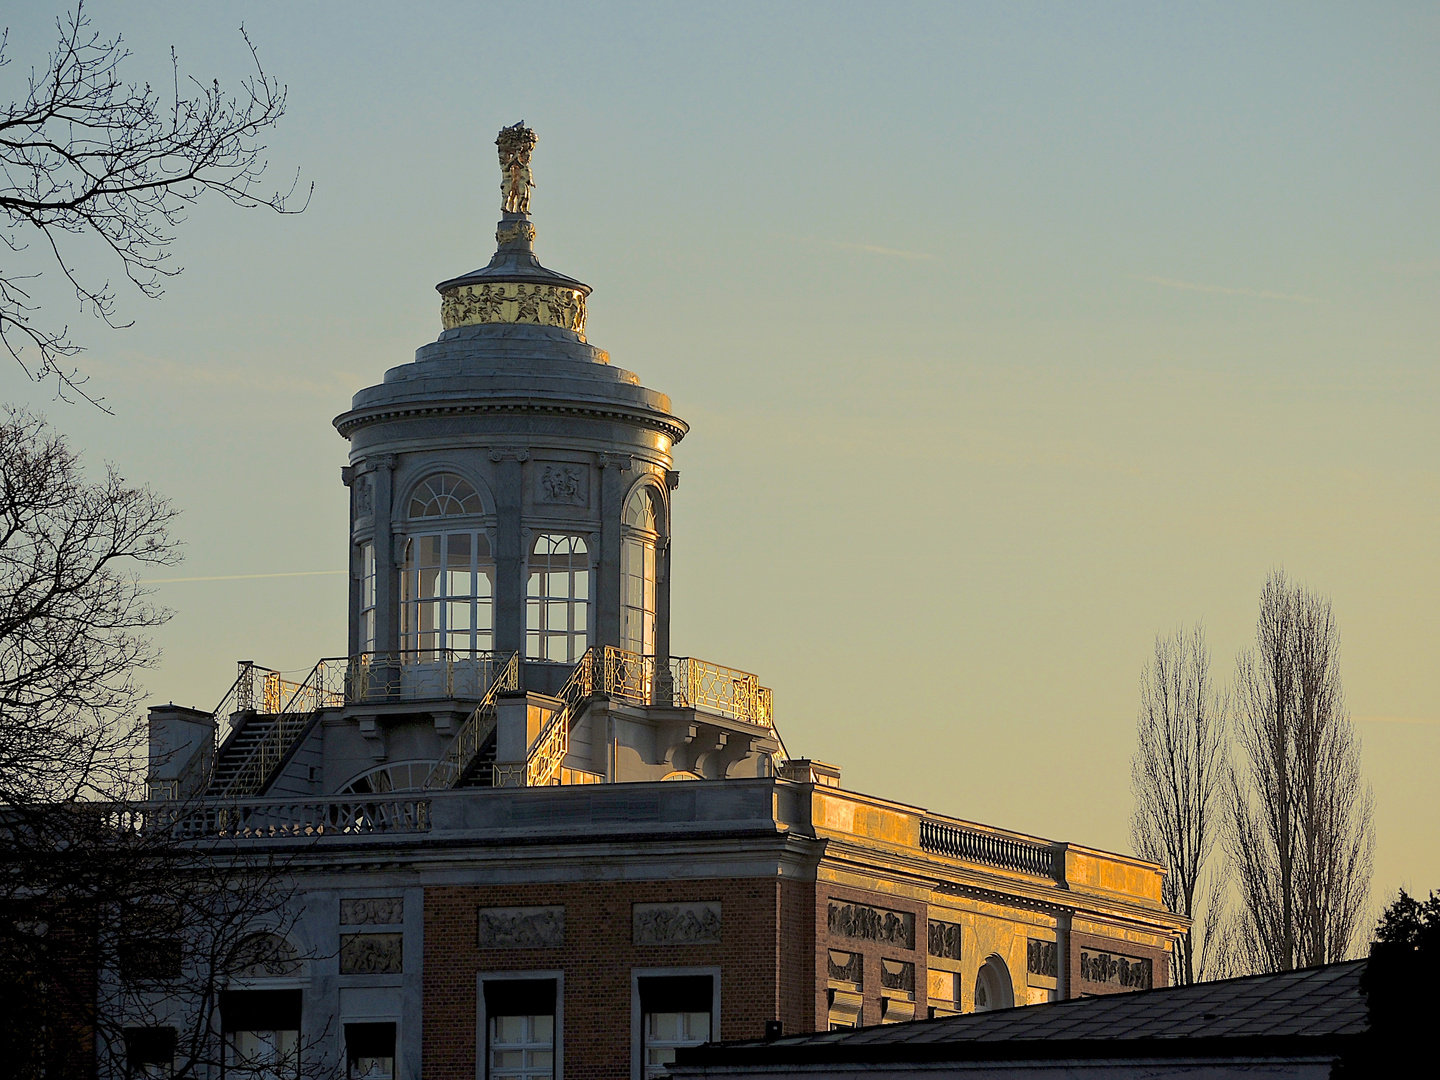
(1398, 985)
(112, 918)
(86, 154)
(1176, 775)
(1301, 834)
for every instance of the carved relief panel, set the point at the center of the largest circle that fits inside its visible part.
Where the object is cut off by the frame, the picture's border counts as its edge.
(372, 954)
(677, 924)
(562, 483)
(521, 927)
(373, 911)
(872, 924)
(1107, 969)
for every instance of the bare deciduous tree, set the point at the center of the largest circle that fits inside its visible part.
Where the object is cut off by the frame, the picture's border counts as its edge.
(109, 918)
(73, 617)
(1301, 832)
(1176, 776)
(85, 154)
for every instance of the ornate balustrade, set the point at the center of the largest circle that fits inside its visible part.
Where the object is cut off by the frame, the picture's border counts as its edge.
(993, 849)
(687, 682)
(421, 674)
(274, 818)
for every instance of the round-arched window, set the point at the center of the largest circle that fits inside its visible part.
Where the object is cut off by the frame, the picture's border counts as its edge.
(444, 495)
(638, 572)
(992, 986)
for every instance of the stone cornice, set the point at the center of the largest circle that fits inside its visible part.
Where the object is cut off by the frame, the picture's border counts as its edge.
(671, 426)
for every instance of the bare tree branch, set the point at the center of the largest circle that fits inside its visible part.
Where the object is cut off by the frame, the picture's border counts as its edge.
(85, 154)
(1176, 777)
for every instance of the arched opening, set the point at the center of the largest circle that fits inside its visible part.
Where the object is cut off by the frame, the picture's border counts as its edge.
(993, 988)
(394, 776)
(639, 541)
(557, 600)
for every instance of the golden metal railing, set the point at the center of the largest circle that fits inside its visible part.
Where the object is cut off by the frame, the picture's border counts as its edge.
(460, 754)
(421, 674)
(686, 682)
(547, 755)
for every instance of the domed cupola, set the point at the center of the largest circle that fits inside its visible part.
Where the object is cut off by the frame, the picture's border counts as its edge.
(511, 488)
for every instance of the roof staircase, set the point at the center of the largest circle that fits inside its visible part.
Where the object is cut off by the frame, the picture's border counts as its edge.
(248, 760)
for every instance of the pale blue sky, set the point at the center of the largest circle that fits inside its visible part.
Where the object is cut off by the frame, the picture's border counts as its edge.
(1009, 336)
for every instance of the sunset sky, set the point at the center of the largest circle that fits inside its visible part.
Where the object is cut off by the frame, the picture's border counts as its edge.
(1009, 336)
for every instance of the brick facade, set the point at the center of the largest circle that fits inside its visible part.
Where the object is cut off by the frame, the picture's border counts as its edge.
(765, 956)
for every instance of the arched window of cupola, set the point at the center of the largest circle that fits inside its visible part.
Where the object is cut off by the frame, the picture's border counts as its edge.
(447, 574)
(640, 536)
(444, 495)
(557, 598)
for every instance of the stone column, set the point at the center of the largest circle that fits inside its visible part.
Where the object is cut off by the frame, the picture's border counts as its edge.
(509, 551)
(613, 482)
(352, 638)
(387, 579)
(662, 576)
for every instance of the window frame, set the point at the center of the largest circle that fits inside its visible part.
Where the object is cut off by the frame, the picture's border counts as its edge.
(543, 600)
(637, 1019)
(482, 1019)
(365, 618)
(409, 605)
(647, 541)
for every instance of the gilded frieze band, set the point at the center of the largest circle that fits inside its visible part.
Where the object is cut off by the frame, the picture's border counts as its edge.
(511, 302)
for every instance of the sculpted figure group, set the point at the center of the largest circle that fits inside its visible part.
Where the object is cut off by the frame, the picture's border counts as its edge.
(515, 144)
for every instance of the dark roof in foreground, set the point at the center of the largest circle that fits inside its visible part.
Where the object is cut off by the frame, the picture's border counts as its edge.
(1314, 1009)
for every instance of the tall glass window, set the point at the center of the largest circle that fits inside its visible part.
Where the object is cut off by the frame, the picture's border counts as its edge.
(447, 591)
(637, 573)
(557, 602)
(522, 1047)
(367, 598)
(675, 1011)
(520, 1029)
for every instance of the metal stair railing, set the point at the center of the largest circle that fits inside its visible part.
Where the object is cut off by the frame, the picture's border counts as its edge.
(295, 706)
(547, 754)
(460, 755)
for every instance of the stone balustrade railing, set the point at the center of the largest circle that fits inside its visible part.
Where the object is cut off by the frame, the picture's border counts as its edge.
(993, 849)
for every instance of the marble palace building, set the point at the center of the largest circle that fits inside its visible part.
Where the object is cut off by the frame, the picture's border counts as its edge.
(532, 839)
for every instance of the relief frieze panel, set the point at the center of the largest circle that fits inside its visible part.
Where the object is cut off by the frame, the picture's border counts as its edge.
(847, 967)
(1042, 958)
(521, 927)
(944, 940)
(512, 302)
(1104, 968)
(872, 924)
(372, 911)
(372, 954)
(677, 924)
(563, 483)
(897, 975)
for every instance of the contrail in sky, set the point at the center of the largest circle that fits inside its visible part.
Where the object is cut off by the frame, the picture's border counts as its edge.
(240, 577)
(1224, 290)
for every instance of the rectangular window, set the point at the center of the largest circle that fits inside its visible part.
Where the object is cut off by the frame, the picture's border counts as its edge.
(261, 1033)
(369, 1051)
(637, 584)
(675, 1012)
(447, 588)
(150, 1052)
(367, 598)
(520, 1029)
(557, 602)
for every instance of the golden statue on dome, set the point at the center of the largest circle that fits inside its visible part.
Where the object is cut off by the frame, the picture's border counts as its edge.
(515, 143)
